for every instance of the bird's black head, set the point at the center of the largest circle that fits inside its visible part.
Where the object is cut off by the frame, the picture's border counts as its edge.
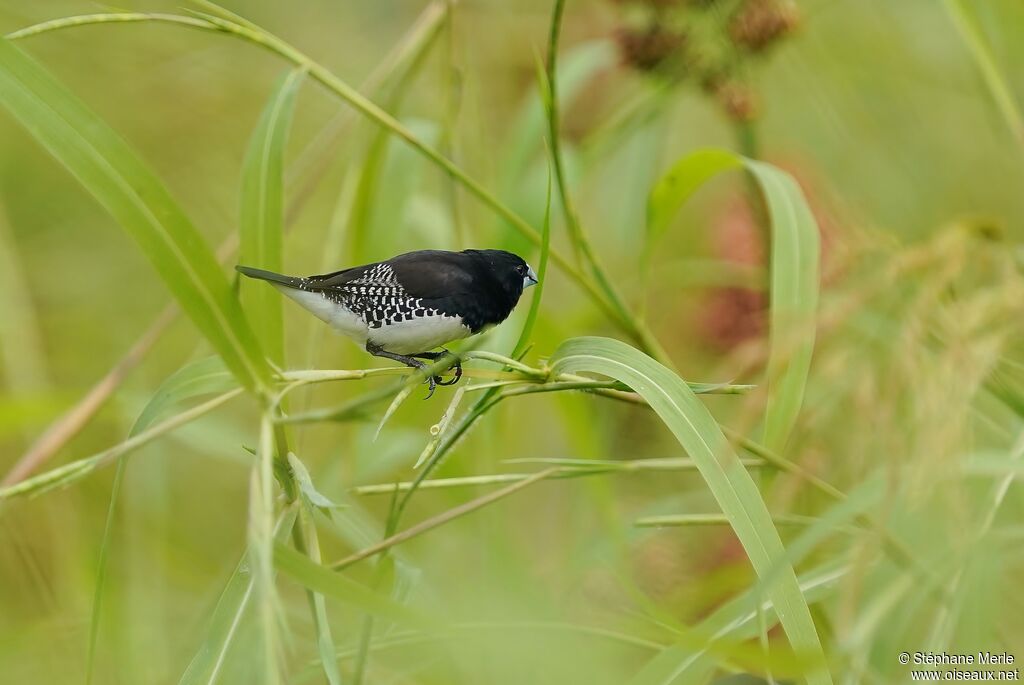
(509, 270)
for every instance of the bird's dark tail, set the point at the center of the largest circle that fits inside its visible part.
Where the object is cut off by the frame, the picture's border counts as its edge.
(263, 275)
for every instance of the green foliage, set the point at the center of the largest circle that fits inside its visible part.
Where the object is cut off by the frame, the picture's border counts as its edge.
(121, 182)
(338, 587)
(693, 660)
(262, 211)
(728, 480)
(793, 272)
(812, 526)
(225, 622)
(202, 377)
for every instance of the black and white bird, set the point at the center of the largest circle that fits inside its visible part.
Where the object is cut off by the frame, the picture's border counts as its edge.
(406, 306)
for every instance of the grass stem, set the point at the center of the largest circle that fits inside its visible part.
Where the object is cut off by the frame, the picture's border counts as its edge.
(442, 519)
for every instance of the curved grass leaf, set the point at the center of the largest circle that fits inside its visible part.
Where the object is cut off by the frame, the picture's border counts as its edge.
(728, 480)
(306, 486)
(324, 581)
(227, 615)
(198, 378)
(261, 551)
(737, 620)
(324, 640)
(693, 663)
(80, 468)
(542, 272)
(262, 212)
(257, 36)
(201, 377)
(680, 182)
(111, 171)
(793, 272)
(994, 77)
(580, 65)
(22, 353)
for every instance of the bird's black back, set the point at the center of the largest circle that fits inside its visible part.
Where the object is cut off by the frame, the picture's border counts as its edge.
(469, 284)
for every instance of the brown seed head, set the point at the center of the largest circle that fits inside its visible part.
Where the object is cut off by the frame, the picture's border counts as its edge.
(739, 101)
(759, 23)
(646, 49)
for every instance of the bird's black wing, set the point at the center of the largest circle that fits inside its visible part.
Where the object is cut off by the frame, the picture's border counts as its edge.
(436, 274)
(414, 284)
(426, 274)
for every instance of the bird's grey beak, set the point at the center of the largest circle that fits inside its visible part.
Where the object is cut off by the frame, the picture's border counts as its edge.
(530, 278)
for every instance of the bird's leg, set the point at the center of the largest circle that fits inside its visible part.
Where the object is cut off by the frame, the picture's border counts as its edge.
(378, 351)
(434, 356)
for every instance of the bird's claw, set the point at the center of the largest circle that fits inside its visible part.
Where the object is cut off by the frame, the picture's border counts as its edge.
(457, 368)
(431, 381)
(434, 381)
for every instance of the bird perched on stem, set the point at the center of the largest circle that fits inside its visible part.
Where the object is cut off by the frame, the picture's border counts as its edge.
(406, 306)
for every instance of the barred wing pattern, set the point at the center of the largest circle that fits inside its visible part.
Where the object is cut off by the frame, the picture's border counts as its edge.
(375, 296)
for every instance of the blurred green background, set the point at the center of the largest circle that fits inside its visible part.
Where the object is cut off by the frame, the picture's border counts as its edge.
(877, 108)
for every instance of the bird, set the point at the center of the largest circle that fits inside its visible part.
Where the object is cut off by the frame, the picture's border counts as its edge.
(405, 307)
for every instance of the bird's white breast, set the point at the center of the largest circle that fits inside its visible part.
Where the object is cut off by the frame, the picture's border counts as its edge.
(340, 318)
(419, 334)
(415, 334)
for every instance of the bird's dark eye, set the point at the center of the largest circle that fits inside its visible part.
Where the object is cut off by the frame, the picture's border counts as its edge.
(521, 269)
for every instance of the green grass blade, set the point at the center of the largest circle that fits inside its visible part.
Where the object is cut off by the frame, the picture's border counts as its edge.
(224, 624)
(198, 378)
(681, 181)
(261, 548)
(726, 477)
(262, 212)
(582, 64)
(793, 299)
(22, 353)
(111, 171)
(80, 468)
(995, 81)
(257, 36)
(584, 251)
(202, 377)
(324, 641)
(736, 620)
(101, 572)
(542, 270)
(305, 484)
(227, 616)
(323, 580)
(793, 272)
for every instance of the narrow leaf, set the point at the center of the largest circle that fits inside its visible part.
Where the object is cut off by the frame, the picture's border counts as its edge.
(324, 641)
(262, 212)
(73, 471)
(227, 615)
(261, 548)
(201, 377)
(680, 182)
(332, 584)
(736, 620)
(542, 272)
(22, 353)
(305, 483)
(995, 78)
(737, 495)
(793, 269)
(111, 171)
(794, 300)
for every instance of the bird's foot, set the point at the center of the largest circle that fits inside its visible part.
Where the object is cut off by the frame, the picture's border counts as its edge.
(432, 382)
(456, 368)
(408, 360)
(434, 356)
